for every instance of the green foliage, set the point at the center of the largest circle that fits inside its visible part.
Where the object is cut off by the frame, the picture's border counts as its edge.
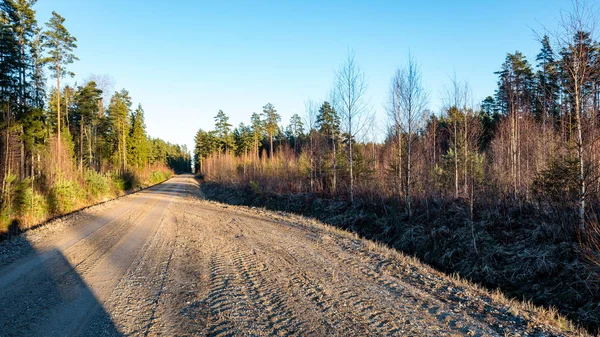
(244, 140)
(137, 154)
(206, 143)
(8, 200)
(125, 182)
(119, 184)
(270, 123)
(255, 187)
(60, 45)
(118, 127)
(223, 132)
(158, 177)
(558, 182)
(97, 185)
(65, 196)
(31, 205)
(328, 122)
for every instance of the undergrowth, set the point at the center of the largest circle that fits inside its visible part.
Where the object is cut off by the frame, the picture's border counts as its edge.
(26, 203)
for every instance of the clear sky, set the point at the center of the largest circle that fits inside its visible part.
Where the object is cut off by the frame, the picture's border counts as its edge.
(185, 60)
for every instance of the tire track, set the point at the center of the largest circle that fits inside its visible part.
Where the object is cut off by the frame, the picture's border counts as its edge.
(227, 304)
(269, 304)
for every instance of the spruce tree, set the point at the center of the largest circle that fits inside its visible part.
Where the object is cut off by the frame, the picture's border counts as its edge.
(138, 142)
(296, 129)
(547, 86)
(86, 106)
(328, 124)
(118, 126)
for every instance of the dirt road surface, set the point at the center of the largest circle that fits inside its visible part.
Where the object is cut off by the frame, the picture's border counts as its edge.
(165, 262)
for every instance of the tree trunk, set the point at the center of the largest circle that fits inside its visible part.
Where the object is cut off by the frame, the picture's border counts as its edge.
(23, 164)
(408, 175)
(6, 150)
(400, 181)
(271, 146)
(89, 137)
(513, 151)
(351, 162)
(466, 154)
(455, 158)
(124, 149)
(58, 114)
(582, 186)
(334, 182)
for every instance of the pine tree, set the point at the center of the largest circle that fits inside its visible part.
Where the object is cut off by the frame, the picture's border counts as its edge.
(223, 131)
(60, 45)
(271, 120)
(515, 97)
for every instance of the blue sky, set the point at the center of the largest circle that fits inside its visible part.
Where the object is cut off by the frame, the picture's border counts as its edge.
(185, 60)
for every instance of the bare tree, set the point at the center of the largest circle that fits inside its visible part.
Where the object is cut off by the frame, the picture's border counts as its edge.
(576, 28)
(413, 101)
(310, 120)
(395, 115)
(350, 90)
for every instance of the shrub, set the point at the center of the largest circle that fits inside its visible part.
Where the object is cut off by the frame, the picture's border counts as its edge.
(255, 187)
(64, 196)
(558, 182)
(30, 205)
(97, 185)
(131, 181)
(6, 218)
(158, 177)
(117, 184)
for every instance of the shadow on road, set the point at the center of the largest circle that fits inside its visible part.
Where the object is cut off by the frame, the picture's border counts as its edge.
(43, 295)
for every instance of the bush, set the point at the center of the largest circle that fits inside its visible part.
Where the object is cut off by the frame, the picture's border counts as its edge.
(158, 177)
(117, 184)
(6, 218)
(131, 181)
(97, 185)
(30, 206)
(125, 182)
(558, 182)
(64, 196)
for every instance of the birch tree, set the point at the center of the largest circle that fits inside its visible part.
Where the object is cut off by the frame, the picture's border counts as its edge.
(350, 92)
(413, 101)
(576, 29)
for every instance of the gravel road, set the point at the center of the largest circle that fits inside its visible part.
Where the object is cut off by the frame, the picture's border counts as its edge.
(164, 261)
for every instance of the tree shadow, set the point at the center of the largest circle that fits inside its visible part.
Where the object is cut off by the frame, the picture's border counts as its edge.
(41, 294)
